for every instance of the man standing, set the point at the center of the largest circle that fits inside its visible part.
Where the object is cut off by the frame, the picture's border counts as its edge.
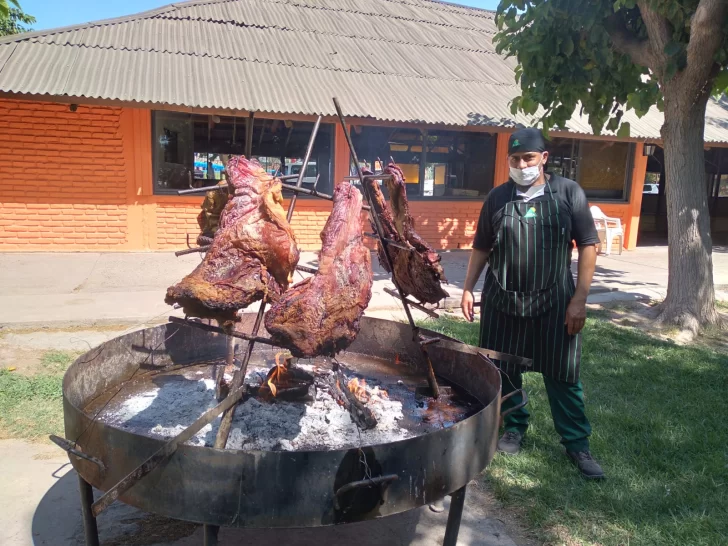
(531, 306)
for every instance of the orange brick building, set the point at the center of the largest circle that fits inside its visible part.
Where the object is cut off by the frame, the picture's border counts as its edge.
(100, 124)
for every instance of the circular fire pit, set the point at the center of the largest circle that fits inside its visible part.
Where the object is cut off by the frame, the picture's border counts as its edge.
(433, 450)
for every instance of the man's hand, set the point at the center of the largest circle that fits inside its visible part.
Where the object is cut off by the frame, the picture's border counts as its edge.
(466, 304)
(575, 315)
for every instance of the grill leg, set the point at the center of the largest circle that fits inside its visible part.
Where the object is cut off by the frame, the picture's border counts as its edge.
(457, 503)
(211, 532)
(90, 530)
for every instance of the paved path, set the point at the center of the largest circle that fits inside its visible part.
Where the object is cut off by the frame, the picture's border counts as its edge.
(39, 506)
(53, 289)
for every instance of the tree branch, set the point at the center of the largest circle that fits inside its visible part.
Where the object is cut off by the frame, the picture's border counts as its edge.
(625, 42)
(706, 36)
(659, 33)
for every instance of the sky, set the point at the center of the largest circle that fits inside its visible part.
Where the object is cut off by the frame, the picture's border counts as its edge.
(52, 13)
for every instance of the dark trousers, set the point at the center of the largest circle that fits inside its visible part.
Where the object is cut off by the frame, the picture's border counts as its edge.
(567, 409)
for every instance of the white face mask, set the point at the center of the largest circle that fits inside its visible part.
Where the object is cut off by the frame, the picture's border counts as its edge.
(527, 176)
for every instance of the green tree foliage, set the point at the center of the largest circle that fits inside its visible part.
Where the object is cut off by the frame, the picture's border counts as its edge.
(5, 7)
(13, 20)
(17, 21)
(603, 57)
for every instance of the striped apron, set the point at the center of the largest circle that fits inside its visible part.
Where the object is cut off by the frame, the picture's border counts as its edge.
(528, 286)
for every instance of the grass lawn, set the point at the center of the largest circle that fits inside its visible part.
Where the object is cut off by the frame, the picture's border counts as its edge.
(31, 406)
(659, 417)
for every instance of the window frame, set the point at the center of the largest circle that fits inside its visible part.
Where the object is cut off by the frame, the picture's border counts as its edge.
(629, 168)
(156, 190)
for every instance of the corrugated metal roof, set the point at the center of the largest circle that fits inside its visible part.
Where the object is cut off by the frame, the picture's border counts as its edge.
(392, 60)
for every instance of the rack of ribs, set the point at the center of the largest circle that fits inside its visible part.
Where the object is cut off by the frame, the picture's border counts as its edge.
(253, 254)
(417, 271)
(320, 315)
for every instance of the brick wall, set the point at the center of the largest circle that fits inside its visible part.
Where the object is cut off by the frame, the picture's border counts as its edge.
(63, 177)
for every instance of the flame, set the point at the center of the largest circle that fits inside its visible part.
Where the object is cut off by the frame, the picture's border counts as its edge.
(359, 388)
(278, 373)
(381, 393)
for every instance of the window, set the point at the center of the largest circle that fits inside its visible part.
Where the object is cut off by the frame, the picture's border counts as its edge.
(191, 150)
(436, 164)
(723, 188)
(601, 167)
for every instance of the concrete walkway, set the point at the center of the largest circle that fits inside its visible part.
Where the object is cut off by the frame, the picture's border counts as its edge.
(60, 289)
(40, 507)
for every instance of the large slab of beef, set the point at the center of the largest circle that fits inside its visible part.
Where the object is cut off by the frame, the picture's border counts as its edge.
(417, 271)
(320, 315)
(253, 254)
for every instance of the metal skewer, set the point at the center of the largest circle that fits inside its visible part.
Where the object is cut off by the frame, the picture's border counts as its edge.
(382, 241)
(221, 187)
(299, 182)
(227, 406)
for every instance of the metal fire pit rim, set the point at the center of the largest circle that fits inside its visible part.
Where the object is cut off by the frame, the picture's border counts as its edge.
(426, 452)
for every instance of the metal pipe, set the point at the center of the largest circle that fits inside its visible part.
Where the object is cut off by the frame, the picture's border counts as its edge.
(210, 533)
(238, 383)
(90, 529)
(454, 517)
(384, 243)
(301, 174)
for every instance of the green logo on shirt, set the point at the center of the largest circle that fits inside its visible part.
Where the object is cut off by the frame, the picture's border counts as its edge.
(531, 213)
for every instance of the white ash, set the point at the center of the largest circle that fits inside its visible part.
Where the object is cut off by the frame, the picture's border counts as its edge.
(258, 425)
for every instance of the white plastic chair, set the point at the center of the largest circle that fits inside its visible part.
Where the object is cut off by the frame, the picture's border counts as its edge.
(609, 228)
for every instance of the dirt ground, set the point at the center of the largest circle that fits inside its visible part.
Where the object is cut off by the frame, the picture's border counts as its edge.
(641, 314)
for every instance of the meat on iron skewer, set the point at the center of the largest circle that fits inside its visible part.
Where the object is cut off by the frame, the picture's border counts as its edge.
(320, 315)
(253, 255)
(417, 271)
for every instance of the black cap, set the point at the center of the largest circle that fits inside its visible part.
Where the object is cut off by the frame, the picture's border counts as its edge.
(526, 140)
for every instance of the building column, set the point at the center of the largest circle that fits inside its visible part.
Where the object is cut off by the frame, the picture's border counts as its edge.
(141, 215)
(639, 170)
(501, 174)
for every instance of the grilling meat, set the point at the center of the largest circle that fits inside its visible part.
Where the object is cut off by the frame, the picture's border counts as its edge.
(418, 271)
(253, 254)
(320, 315)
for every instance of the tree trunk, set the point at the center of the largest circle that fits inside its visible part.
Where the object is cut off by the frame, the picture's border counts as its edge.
(690, 301)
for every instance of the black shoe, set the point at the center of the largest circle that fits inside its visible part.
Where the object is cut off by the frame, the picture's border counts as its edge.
(586, 464)
(510, 442)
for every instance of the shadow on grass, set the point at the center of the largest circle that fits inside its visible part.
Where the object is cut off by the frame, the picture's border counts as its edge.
(658, 414)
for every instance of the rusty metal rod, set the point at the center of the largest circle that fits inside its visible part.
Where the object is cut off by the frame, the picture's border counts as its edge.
(192, 250)
(422, 308)
(218, 330)
(374, 176)
(306, 269)
(378, 224)
(226, 423)
(390, 242)
(301, 174)
(313, 192)
(220, 187)
(164, 452)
